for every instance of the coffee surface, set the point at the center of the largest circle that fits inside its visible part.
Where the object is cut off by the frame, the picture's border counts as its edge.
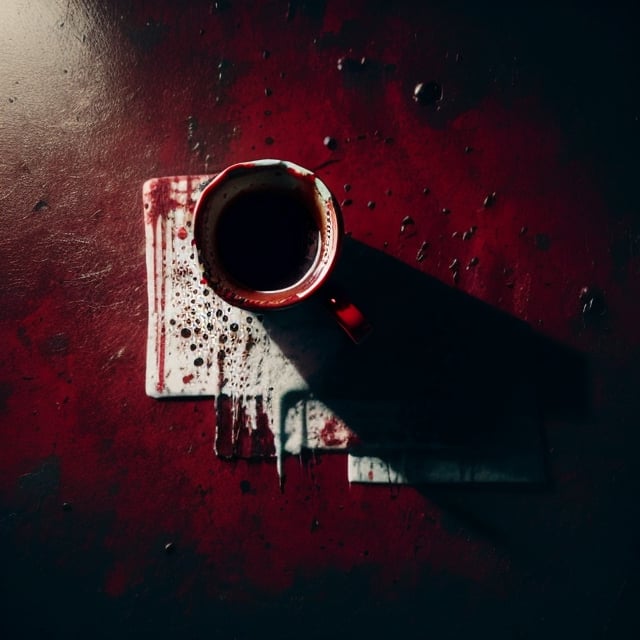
(266, 239)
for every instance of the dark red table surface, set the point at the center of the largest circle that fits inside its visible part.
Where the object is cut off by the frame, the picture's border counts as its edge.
(539, 106)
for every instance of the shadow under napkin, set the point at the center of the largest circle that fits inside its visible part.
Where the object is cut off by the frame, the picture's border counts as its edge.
(444, 379)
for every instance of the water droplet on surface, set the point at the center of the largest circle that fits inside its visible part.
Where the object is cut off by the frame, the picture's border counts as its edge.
(268, 92)
(523, 230)
(468, 149)
(406, 221)
(473, 262)
(66, 506)
(347, 187)
(330, 143)
(315, 524)
(371, 204)
(489, 199)
(192, 124)
(427, 93)
(446, 211)
(455, 265)
(268, 140)
(346, 63)
(40, 205)
(347, 202)
(170, 547)
(265, 54)
(426, 191)
(291, 11)
(593, 304)
(422, 251)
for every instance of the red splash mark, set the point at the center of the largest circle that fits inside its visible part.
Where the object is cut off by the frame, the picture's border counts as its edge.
(263, 442)
(333, 433)
(187, 379)
(241, 430)
(240, 434)
(159, 199)
(158, 202)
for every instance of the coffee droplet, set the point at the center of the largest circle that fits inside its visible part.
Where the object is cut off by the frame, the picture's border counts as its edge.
(427, 93)
(406, 221)
(489, 200)
(330, 143)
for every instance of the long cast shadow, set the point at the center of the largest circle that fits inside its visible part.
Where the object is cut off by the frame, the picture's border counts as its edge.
(446, 388)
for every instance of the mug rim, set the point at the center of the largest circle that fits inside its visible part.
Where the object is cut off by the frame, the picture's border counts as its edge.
(234, 292)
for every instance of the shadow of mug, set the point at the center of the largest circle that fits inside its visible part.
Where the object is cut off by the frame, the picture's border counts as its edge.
(442, 374)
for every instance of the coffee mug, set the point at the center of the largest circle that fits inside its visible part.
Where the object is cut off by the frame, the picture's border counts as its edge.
(268, 234)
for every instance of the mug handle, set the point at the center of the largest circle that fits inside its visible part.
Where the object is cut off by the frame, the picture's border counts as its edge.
(348, 316)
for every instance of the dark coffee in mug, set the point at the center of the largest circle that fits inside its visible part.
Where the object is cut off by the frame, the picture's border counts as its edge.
(267, 238)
